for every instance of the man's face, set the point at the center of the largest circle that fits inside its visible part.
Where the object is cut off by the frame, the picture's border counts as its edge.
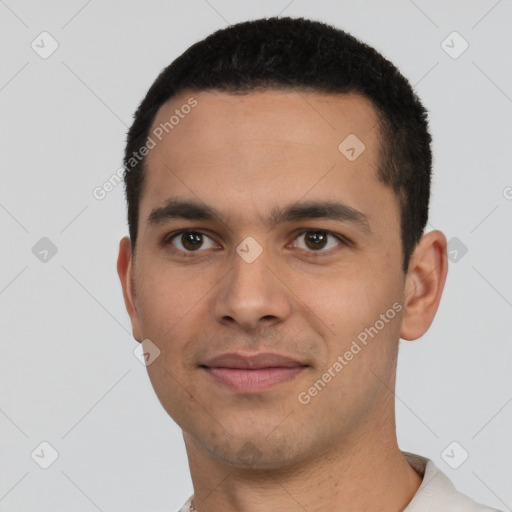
(244, 286)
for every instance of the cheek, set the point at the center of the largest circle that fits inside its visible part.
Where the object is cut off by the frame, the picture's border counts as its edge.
(344, 303)
(172, 315)
(361, 316)
(165, 298)
(174, 391)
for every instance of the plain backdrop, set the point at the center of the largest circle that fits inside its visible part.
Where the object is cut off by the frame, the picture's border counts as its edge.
(68, 374)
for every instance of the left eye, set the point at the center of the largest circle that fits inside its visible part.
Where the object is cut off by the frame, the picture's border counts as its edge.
(317, 240)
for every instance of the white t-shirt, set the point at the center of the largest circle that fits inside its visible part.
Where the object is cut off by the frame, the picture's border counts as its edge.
(435, 494)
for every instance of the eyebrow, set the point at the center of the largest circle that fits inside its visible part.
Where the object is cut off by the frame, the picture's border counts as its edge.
(192, 210)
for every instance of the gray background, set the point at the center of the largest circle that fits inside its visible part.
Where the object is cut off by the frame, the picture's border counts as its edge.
(68, 374)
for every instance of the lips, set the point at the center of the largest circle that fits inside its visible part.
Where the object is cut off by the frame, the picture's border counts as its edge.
(252, 362)
(252, 373)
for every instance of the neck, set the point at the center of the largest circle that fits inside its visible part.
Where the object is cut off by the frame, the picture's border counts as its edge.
(367, 473)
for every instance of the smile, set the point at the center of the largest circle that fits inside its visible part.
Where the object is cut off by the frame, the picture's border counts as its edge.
(253, 373)
(247, 381)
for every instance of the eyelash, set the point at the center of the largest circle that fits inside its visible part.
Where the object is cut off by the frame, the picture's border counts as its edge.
(167, 240)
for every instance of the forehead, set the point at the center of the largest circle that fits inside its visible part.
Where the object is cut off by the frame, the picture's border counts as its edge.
(307, 119)
(264, 148)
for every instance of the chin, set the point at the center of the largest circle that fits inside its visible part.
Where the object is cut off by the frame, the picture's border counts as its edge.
(254, 451)
(253, 457)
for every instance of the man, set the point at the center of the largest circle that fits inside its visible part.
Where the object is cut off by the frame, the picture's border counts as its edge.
(278, 180)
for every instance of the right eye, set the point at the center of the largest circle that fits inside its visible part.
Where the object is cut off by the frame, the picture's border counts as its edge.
(188, 241)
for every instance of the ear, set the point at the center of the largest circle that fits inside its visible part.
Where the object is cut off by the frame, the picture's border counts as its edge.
(424, 284)
(126, 275)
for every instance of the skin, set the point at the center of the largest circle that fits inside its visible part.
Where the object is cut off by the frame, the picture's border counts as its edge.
(245, 155)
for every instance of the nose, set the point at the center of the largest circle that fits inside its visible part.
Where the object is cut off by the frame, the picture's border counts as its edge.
(252, 295)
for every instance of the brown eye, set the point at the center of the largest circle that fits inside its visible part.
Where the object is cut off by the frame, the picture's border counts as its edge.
(190, 241)
(316, 241)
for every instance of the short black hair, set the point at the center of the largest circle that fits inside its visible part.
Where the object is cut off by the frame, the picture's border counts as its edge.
(301, 54)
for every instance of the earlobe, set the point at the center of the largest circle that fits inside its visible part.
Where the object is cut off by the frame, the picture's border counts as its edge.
(424, 285)
(126, 276)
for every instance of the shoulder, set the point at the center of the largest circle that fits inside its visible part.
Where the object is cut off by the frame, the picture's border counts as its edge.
(437, 493)
(186, 506)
